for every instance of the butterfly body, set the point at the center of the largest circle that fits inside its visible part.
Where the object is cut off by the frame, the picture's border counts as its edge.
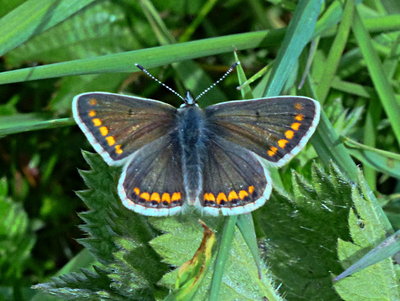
(213, 159)
(193, 138)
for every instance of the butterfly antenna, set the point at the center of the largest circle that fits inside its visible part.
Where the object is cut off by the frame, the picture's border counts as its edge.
(218, 81)
(158, 81)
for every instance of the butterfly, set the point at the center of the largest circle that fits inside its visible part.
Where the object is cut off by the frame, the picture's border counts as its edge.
(214, 159)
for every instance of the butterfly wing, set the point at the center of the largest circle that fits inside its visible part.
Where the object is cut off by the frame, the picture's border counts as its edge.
(274, 128)
(235, 181)
(152, 182)
(118, 125)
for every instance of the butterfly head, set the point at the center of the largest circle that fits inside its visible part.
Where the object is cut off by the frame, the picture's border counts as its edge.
(189, 100)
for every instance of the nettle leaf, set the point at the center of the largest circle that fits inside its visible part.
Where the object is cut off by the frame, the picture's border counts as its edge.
(119, 240)
(173, 245)
(16, 237)
(182, 238)
(86, 285)
(301, 232)
(136, 271)
(378, 281)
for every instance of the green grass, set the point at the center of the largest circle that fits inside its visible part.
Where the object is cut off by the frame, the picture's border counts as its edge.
(332, 204)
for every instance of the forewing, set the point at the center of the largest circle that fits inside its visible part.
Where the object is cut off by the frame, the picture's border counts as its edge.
(118, 125)
(274, 128)
(152, 183)
(235, 181)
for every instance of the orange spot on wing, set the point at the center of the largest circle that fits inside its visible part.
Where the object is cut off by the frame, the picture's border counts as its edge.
(289, 134)
(92, 113)
(243, 194)
(110, 140)
(209, 197)
(118, 149)
(104, 131)
(299, 117)
(96, 121)
(145, 196)
(295, 126)
(176, 196)
(298, 106)
(251, 189)
(92, 101)
(221, 198)
(136, 190)
(272, 151)
(282, 143)
(232, 195)
(166, 197)
(155, 196)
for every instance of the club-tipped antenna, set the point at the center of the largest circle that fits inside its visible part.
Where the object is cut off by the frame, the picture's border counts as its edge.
(158, 81)
(218, 81)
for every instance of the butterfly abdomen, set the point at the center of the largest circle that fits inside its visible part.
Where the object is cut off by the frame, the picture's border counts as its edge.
(192, 140)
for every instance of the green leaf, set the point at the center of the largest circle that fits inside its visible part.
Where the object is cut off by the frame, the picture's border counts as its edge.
(7, 6)
(118, 238)
(105, 205)
(192, 272)
(376, 282)
(86, 285)
(86, 34)
(33, 17)
(240, 280)
(16, 238)
(389, 247)
(301, 229)
(172, 245)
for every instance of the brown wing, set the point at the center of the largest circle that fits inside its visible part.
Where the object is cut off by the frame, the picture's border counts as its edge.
(274, 128)
(118, 125)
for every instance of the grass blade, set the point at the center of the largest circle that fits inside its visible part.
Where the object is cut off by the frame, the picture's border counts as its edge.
(150, 57)
(378, 76)
(206, 8)
(381, 160)
(299, 33)
(335, 52)
(28, 122)
(327, 142)
(222, 255)
(245, 224)
(385, 249)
